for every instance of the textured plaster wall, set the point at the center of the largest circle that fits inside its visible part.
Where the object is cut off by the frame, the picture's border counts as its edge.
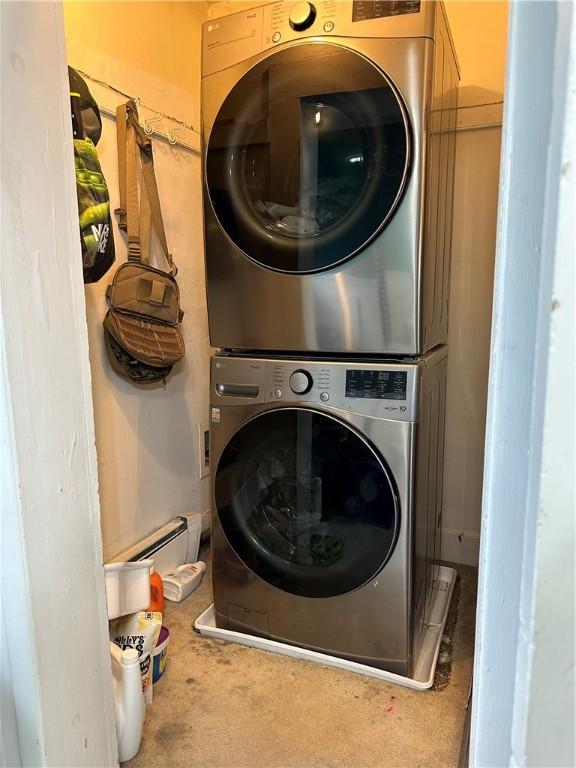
(147, 439)
(479, 30)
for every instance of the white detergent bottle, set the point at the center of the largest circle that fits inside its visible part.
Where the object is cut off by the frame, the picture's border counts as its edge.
(183, 580)
(128, 700)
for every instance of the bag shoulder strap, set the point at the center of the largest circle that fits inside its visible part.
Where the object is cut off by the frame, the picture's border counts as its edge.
(138, 219)
(121, 211)
(128, 213)
(149, 179)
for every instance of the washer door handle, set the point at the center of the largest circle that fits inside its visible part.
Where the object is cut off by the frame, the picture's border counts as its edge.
(237, 390)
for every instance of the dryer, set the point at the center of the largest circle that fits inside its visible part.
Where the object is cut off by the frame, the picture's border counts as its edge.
(328, 158)
(327, 490)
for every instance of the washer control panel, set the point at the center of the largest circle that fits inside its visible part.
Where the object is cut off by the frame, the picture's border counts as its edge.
(386, 390)
(295, 379)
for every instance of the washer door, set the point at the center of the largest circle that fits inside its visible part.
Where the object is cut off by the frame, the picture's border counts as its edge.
(306, 503)
(308, 157)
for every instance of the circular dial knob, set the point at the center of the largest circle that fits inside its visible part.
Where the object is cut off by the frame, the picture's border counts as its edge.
(300, 382)
(302, 16)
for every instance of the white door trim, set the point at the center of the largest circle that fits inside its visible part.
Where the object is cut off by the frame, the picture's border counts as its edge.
(54, 619)
(530, 253)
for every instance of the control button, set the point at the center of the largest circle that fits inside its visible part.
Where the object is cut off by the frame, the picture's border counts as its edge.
(277, 393)
(329, 26)
(300, 382)
(302, 16)
(324, 396)
(276, 37)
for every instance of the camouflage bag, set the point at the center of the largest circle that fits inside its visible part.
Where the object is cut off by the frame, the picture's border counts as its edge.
(93, 200)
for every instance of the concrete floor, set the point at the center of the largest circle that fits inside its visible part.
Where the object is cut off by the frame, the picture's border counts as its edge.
(221, 705)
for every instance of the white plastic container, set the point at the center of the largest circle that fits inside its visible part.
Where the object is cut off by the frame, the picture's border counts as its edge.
(183, 580)
(127, 587)
(128, 700)
(194, 534)
(424, 663)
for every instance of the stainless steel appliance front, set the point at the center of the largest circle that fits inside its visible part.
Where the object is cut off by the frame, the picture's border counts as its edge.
(326, 488)
(328, 167)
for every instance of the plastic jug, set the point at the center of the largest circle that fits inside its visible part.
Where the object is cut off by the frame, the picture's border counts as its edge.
(156, 592)
(128, 700)
(182, 581)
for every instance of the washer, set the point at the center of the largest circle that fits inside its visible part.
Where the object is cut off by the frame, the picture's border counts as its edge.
(328, 135)
(327, 488)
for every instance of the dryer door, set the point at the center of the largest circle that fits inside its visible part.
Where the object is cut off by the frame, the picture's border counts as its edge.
(308, 157)
(306, 502)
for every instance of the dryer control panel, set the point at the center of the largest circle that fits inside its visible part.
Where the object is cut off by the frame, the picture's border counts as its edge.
(387, 390)
(239, 36)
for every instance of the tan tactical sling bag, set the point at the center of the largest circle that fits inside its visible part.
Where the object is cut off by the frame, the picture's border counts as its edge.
(143, 339)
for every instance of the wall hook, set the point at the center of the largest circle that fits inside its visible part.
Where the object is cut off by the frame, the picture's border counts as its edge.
(171, 135)
(148, 129)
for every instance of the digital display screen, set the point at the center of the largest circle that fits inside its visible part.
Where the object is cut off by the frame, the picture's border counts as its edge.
(363, 10)
(376, 385)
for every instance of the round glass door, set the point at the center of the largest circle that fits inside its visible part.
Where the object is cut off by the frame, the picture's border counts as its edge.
(308, 157)
(306, 503)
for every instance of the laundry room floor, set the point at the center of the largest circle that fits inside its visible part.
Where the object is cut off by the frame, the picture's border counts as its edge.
(221, 705)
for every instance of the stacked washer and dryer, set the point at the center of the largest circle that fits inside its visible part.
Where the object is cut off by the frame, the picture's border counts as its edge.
(328, 133)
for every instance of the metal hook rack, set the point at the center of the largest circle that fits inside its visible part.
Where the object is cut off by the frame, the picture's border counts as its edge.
(169, 136)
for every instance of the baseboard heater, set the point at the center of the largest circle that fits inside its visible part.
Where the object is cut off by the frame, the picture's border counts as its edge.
(173, 544)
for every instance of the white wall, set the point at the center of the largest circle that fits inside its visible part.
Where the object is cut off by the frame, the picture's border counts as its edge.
(479, 30)
(471, 286)
(147, 439)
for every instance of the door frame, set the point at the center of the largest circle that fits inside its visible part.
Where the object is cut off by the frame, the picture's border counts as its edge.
(56, 695)
(527, 431)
